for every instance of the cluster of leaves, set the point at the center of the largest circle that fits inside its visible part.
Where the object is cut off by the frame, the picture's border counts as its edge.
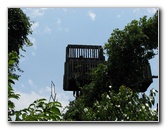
(39, 110)
(12, 57)
(18, 29)
(108, 96)
(129, 49)
(108, 105)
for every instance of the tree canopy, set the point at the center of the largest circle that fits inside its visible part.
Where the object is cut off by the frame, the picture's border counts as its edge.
(106, 98)
(129, 50)
(19, 27)
(18, 30)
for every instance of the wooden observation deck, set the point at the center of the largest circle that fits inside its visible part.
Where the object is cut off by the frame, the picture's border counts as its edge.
(145, 80)
(80, 60)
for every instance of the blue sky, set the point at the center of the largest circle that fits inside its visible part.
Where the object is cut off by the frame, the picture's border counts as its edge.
(55, 28)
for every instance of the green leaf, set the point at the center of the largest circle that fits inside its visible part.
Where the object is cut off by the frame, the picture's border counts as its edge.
(23, 116)
(55, 111)
(10, 81)
(12, 77)
(41, 100)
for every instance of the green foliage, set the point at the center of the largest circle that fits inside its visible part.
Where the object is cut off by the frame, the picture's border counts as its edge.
(106, 98)
(125, 105)
(99, 102)
(39, 110)
(19, 27)
(100, 84)
(18, 31)
(11, 78)
(129, 49)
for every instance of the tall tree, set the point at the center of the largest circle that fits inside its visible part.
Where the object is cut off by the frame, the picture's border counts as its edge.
(19, 27)
(18, 31)
(129, 50)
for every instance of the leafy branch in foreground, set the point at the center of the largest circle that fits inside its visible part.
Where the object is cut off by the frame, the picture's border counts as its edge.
(11, 78)
(40, 110)
(123, 106)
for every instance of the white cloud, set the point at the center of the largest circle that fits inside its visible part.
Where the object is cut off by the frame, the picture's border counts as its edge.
(73, 11)
(44, 30)
(145, 11)
(26, 99)
(65, 10)
(58, 23)
(40, 31)
(92, 15)
(136, 10)
(151, 10)
(47, 30)
(63, 98)
(22, 85)
(33, 53)
(43, 8)
(30, 82)
(34, 26)
(66, 30)
(119, 16)
(36, 12)
(45, 90)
